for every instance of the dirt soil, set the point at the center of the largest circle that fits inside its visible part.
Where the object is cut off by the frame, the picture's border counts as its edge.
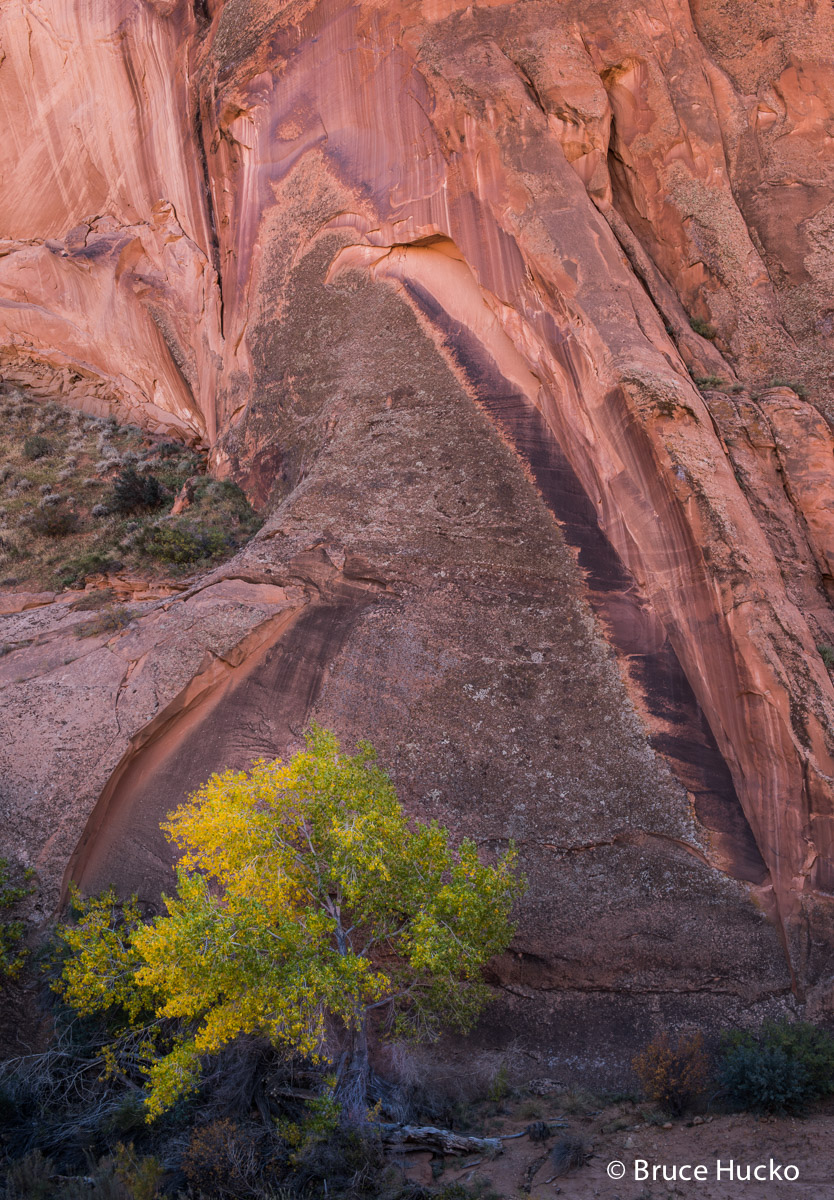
(620, 1135)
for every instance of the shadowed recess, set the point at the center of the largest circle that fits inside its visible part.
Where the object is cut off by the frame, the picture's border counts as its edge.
(255, 712)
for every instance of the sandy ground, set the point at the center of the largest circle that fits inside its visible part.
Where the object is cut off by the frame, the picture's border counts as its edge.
(618, 1139)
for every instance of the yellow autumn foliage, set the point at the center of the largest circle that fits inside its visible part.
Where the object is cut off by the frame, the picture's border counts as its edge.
(305, 899)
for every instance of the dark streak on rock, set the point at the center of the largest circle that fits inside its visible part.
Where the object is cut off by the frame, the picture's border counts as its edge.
(681, 732)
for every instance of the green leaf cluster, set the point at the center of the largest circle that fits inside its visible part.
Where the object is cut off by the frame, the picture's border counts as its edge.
(12, 891)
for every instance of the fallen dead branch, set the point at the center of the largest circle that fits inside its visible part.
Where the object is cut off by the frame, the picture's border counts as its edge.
(444, 1141)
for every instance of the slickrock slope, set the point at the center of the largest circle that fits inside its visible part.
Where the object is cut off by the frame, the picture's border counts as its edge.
(421, 275)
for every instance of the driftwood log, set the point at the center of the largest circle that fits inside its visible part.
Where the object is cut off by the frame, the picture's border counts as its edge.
(442, 1141)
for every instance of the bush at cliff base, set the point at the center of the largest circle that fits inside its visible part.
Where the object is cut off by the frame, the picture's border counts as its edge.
(780, 1068)
(673, 1074)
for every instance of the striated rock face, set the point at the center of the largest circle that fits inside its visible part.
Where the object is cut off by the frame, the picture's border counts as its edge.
(421, 275)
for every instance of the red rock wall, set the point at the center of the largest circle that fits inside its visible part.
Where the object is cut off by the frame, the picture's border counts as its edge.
(554, 189)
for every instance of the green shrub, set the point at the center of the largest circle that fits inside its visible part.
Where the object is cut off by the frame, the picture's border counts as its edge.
(140, 1175)
(799, 388)
(704, 328)
(223, 491)
(121, 1176)
(93, 601)
(128, 1116)
(36, 446)
(764, 1079)
(14, 887)
(826, 653)
(182, 543)
(170, 450)
(531, 1110)
(76, 570)
(782, 1067)
(499, 1089)
(713, 382)
(108, 620)
(132, 491)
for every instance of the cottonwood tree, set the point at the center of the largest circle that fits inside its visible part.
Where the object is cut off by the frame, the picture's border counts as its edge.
(307, 905)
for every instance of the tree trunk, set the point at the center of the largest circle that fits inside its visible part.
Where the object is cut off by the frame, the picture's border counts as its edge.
(355, 1073)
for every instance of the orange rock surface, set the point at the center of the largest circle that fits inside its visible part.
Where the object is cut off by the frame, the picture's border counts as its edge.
(203, 208)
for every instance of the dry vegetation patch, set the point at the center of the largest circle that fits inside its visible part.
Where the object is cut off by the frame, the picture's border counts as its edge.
(83, 495)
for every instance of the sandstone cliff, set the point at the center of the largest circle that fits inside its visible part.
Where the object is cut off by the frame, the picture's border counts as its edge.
(423, 277)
